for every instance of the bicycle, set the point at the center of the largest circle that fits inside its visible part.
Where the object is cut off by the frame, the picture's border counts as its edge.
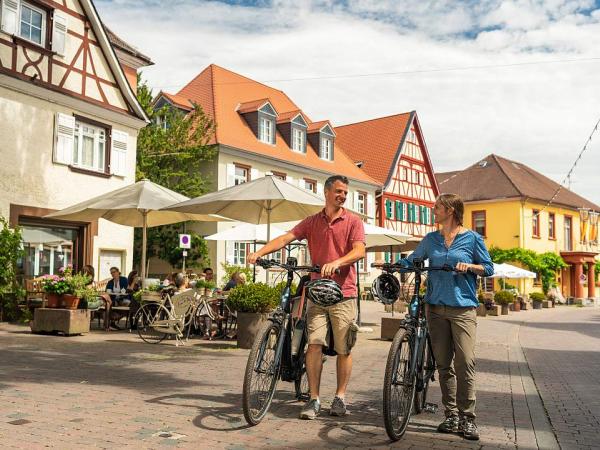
(410, 364)
(278, 352)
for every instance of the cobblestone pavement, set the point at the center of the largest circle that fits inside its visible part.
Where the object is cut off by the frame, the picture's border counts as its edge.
(110, 390)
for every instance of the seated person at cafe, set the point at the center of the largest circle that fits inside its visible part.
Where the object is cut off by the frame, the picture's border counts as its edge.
(237, 278)
(181, 282)
(89, 271)
(117, 287)
(208, 274)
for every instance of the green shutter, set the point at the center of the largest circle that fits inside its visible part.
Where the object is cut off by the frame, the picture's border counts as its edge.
(388, 209)
(388, 257)
(399, 210)
(432, 217)
(411, 212)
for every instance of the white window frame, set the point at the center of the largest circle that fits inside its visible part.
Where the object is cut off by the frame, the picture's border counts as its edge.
(240, 252)
(44, 19)
(306, 187)
(82, 130)
(361, 202)
(326, 148)
(265, 130)
(239, 178)
(298, 140)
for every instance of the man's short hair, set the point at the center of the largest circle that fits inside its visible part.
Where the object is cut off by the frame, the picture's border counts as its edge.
(333, 178)
(207, 269)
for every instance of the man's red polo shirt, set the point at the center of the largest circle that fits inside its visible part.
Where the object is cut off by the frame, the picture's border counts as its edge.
(330, 241)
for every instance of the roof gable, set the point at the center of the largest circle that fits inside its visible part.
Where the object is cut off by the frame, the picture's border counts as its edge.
(221, 92)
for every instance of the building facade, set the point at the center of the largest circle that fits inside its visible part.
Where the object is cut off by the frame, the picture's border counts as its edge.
(260, 130)
(69, 121)
(510, 205)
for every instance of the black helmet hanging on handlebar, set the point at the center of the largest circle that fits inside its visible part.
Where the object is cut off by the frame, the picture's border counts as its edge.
(324, 292)
(386, 288)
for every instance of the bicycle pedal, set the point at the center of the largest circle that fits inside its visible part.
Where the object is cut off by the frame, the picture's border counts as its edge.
(430, 408)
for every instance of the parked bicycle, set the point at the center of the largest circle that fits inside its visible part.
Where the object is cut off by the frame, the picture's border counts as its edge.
(410, 364)
(279, 350)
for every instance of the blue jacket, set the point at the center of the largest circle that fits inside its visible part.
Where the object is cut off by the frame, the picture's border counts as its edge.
(451, 288)
(122, 284)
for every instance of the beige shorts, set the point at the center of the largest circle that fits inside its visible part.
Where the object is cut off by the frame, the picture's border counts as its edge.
(341, 315)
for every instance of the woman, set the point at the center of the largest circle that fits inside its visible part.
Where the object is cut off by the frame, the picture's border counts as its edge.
(237, 278)
(451, 309)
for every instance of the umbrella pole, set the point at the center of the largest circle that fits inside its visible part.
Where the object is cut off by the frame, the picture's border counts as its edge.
(358, 290)
(254, 266)
(268, 235)
(144, 241)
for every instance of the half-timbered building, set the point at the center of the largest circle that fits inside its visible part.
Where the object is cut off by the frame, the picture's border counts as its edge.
(69, 121)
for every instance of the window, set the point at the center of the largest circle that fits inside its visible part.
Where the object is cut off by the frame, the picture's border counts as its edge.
(478, 225)
(568, 233)
(551, 226)
(310, 185)
(361, 265)
(361, 202)
(47, 248)
(89, 147)
(535, 223)
(326, 148)
(265, 130)
(241, 175)
(403, 173)
(298, 140)
(239, 253)
(280, 175)
(32, 24)
(418, 177)
(277, 256)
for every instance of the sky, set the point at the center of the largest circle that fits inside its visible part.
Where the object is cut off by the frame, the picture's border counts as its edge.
(518, 78)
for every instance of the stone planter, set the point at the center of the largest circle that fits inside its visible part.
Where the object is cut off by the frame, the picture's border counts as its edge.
(547, 304)
(389, 327)
(516, 306)
(525, 306)
(494, 311)
(504, 310)
(399, 307)
(537, 304)
(52, 300)
(481, 310)
(248, 327)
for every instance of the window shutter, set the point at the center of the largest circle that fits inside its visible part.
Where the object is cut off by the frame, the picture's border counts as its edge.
(289, 179)
(432, 217)
(320, 190)
(388, 257)
(354, 196)
(370, 260)
(369, 207)
(388, 208)
(229, 252)
(64, 138)
(59, 33)
(254, 174)
(230, 180)
(118, 154)
(9, 16)
(411, 212)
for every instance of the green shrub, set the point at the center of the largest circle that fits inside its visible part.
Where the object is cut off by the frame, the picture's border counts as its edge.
(504, 297)
(230, 269)
(537, 297)
(480, 297)
(253, 298)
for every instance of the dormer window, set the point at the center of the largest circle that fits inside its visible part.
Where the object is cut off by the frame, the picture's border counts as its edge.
(265, 130)
(326, 147)
(260, 116)
(298, 140)
(321, 138)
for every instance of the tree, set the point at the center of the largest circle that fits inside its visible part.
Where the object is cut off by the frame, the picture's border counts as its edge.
(173, 151)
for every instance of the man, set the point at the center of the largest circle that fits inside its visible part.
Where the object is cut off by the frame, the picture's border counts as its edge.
(208, 274)
(336, 240)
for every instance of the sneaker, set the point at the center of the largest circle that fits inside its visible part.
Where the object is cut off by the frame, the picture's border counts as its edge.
(468, 429)
(338, 407)
(311, 409)
(449, 425)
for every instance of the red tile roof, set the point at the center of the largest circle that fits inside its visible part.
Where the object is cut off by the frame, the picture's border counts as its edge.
(289, 116)
(178, 100)
(495, 178)
(220, 91)
(316, 126)
(254, 105)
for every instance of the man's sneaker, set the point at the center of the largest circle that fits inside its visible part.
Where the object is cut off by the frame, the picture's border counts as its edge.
(449, 425)
(338, 407)
(311, 409)
(468, 429)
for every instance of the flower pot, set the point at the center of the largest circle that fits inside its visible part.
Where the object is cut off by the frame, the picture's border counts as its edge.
(69, 301)
(537, 304)
(53, 300)
(516, 306)
(248, 327)
(504, 310)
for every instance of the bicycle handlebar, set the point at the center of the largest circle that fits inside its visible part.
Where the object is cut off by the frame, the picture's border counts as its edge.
(393, 267)
(268, 263)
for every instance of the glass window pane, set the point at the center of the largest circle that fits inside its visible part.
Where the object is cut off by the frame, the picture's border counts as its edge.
(25, 30)
(100, 159)
(36, 35)
(87, 152)
(36, 19)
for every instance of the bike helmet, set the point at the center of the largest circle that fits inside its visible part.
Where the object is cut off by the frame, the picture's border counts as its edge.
(324, 292)
(386, 288)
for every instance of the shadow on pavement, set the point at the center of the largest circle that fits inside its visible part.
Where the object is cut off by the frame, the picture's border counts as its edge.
(583, 327)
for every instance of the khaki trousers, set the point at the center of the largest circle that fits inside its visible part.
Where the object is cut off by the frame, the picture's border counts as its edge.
(453, 331)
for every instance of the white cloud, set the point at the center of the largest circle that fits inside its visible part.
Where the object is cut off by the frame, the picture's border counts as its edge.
(537, 114)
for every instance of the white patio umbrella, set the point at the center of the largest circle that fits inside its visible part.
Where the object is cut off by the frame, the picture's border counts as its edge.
(246, 232)
(263, 201)
(378, 236)
(509, 271)
(135, 205)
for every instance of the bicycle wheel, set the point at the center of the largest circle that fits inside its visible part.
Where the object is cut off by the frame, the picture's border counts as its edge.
(261, 374)
(426, 374)
(146, 316)
(301, 388)
(398, 389)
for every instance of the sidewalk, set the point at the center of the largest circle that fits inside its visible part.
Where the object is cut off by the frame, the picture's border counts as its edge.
(114, 391)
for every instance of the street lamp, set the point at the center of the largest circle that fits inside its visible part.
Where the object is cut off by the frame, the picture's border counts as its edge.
(584, 217)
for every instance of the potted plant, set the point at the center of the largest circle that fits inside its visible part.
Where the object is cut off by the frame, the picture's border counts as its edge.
(77, 284)
(481, 309)
(209, 288)
(253, 302)
(537, 298)
(504, 298)
(54, 286)
(148, 294)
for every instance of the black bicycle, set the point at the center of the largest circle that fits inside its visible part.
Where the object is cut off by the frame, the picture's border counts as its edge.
(410, 364)
(279, 350)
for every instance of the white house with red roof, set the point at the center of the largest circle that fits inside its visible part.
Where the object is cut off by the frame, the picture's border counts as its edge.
(259, 129)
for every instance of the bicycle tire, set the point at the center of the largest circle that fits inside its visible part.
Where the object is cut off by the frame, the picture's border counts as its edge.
(145, 316)
(428, 367)
(397, 408)
(301, 387)
(256, 402)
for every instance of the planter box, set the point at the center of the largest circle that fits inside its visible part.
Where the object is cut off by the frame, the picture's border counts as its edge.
(66, 321)
(515, 307)
(481, 310)
(248, 327)
(504, 309)
(389, 327)
(546, 304)
(537, 304)
(495, 311)
(525, 306)
(399, 307)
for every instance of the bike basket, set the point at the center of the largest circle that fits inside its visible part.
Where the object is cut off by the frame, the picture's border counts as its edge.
(386, 288)
(324, 292)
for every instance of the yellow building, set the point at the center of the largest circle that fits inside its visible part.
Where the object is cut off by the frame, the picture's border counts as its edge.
(509, 204)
